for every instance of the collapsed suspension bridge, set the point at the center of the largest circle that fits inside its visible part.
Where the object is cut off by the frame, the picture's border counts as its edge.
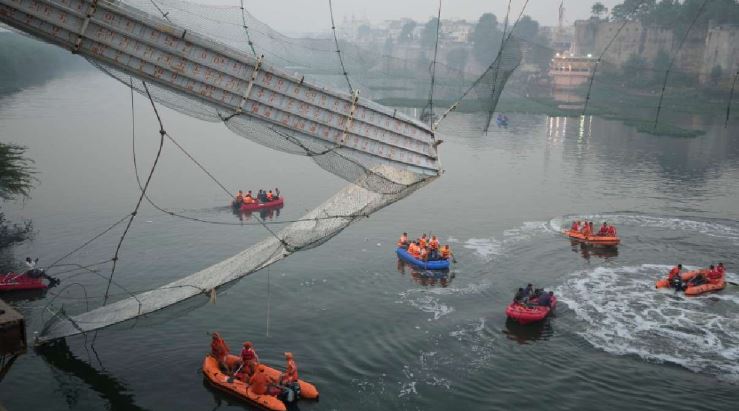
(382, 153)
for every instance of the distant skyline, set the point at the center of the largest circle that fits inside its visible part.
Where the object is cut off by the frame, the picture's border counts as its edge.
(304, 16)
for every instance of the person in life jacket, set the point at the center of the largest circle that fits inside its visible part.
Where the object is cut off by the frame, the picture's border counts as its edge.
(575, 226)
(248, 198)
(587, 230)
(403, 241)
(414, 250)
(423, 241)
(290, 376)
(721, 269)
(446, 252)
(249, 358)
(259, 383)
(239, 197)
(270, 196)
(434, 248)
(714, 275)
(673, 277)
(219, 349)
(277, 193)
(424, 254)
(611, 232)
(603, 229)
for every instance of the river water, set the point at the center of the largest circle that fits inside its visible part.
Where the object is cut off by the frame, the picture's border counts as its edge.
(369, 333)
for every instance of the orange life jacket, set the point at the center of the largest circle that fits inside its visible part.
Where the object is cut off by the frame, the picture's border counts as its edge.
(291, 373)
(422, 242)
(413, 250)
(673, 273)
(259, 383)
(434, 244)
(424, 253)
(445, 253)
(269, 196)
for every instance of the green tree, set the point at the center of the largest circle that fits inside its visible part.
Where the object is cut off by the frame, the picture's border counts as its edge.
(428, 34)
(659, 65)
(406, 33)
(634, 70)
(486, 38)
(598, 10)
(457, 58)
(16, 180)
(527, 28)
(632, 9)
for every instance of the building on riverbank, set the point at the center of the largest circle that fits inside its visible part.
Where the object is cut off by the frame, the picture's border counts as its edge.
(704, 48)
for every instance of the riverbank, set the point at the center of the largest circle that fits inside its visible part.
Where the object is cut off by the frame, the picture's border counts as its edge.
(614, 103)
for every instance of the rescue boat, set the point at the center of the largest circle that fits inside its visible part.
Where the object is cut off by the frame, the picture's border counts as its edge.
(592, 239)
(525, 314)
(427, 265)
(711, 285)
(280, 202)
(17, 282)
(238, 388)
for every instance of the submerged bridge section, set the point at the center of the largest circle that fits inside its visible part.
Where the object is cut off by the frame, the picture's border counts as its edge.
(231, 82)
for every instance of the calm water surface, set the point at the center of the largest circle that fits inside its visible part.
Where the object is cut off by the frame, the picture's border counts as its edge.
(372, 334)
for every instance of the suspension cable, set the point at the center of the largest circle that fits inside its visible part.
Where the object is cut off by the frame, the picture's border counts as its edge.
(672, 61)
(338, 50)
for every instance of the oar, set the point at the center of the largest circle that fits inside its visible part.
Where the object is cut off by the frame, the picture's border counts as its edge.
(732, 283)
(231, 378)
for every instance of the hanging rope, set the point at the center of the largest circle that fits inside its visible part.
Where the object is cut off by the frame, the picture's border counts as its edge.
(141, 197)
(338, 51)
(246, 29)
(432, 68)
(603, 53)
(479, 79)
(159, 9)
(672, 61)
(731, 97)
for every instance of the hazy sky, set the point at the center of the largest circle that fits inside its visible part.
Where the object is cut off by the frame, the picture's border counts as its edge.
(294, 16)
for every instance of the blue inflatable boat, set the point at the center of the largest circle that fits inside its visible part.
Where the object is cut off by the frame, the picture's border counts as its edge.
(428, 265)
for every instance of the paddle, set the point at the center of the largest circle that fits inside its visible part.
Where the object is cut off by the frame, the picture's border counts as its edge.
(231, 378)
(732, 283)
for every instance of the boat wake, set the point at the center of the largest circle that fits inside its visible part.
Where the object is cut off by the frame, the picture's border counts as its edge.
(490, 248)
(711, 228)
(620, 312)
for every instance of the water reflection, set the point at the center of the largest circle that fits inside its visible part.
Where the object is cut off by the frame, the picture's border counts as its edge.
(427, 278)
(588, 250)
(58, 355)
(266, 214)
(526, 334)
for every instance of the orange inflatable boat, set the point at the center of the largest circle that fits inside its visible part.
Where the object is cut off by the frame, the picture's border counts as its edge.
(592, 239)
(715, 285)
(236, 387)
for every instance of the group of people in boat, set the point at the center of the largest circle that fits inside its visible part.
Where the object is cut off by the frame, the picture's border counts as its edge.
(425, 248)
(713, 275)
(251, 371)
(262, 196)
(532, 297)
(586, 228)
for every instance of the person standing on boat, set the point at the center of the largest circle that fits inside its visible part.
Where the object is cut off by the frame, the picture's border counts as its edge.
(249, 358)
(270, 197)
(219, 350)
(239, 198)
(575, 226)
(587, 230)
(603, 230)
(434, 248)
(277, 193)
(423, 241)
(290, 376)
